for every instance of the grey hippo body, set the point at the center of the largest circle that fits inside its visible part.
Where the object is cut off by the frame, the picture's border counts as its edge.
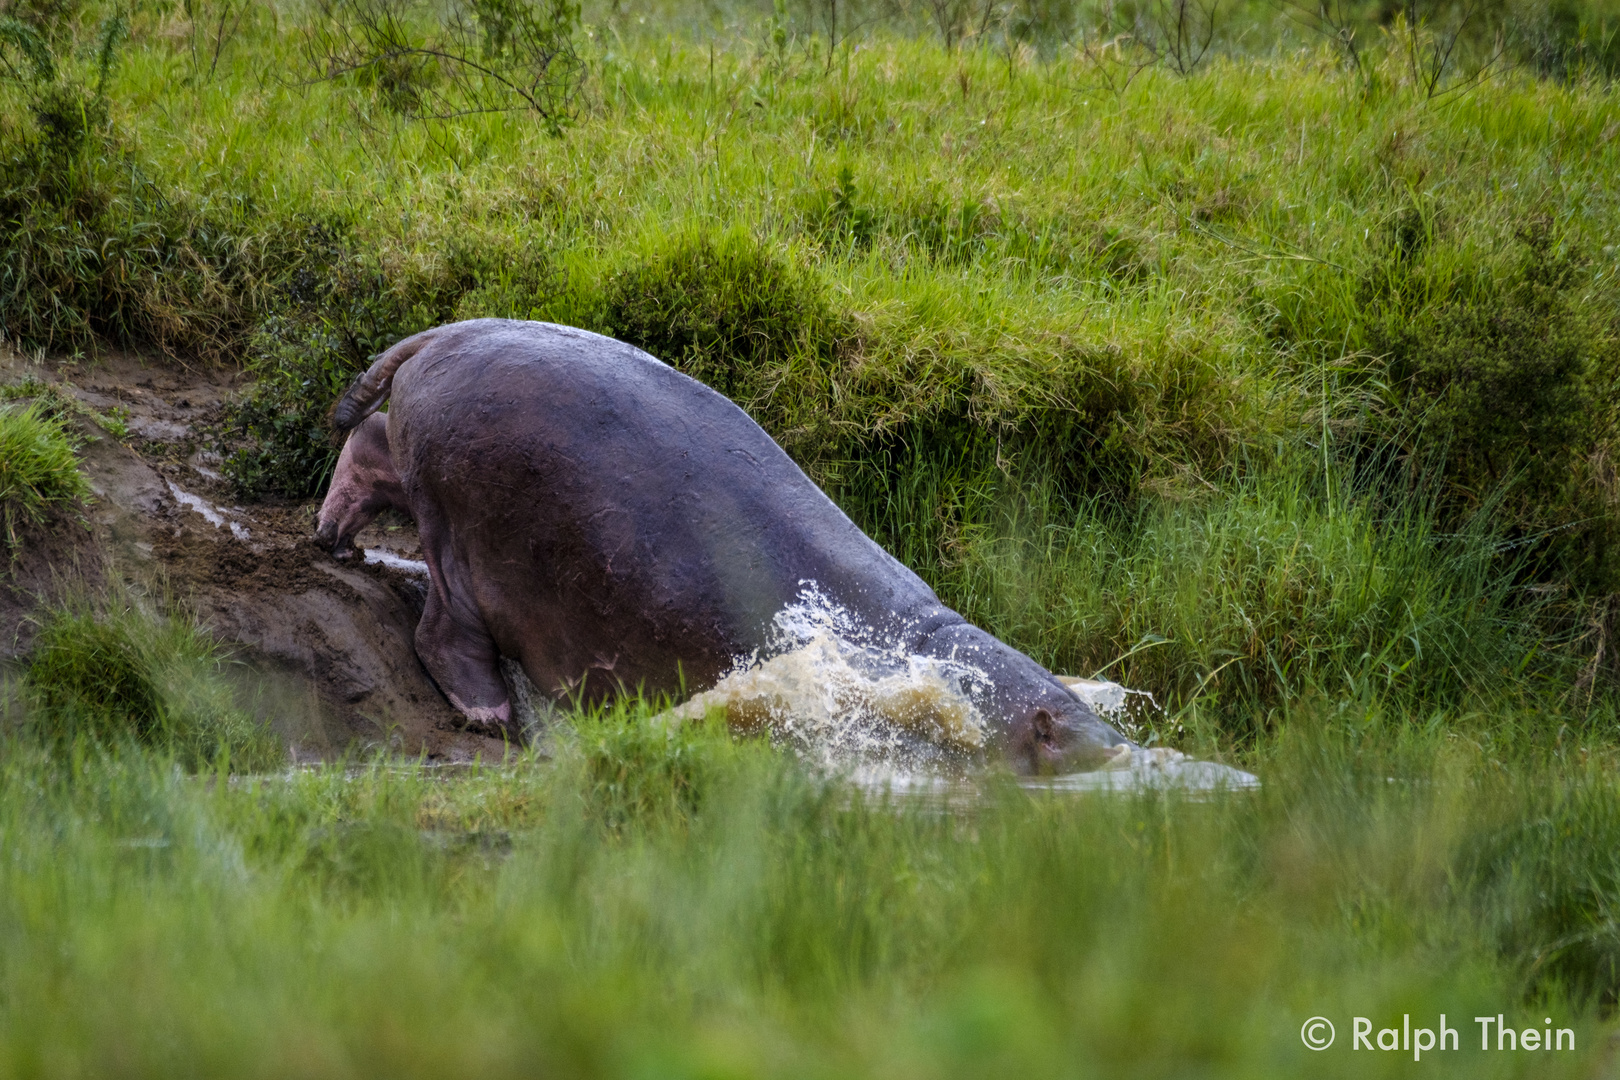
(614, 525)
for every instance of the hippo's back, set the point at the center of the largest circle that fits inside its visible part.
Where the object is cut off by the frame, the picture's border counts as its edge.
(605, 512)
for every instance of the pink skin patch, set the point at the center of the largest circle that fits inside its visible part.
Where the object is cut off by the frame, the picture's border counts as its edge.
(500, 714)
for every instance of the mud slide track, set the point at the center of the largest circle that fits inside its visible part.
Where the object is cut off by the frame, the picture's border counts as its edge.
(326, 648)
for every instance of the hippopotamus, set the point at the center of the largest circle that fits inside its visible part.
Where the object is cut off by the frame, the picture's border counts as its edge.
(615, 526)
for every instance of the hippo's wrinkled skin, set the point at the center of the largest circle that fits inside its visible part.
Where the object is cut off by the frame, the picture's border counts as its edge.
(615, 525)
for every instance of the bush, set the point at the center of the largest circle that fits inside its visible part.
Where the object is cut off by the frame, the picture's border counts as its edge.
(1502, 380)
(728, 312)
(335, 314)
(330, 317)
(428, 62)
(120, 678)
(1508, 382)
(38, 469)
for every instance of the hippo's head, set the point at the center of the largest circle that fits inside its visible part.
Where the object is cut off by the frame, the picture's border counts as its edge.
(364, 484)
(1038, 723)
(1055, 732)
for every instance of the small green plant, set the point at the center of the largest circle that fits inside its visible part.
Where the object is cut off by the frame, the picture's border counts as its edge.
(839, 217)
(38, 470)
(115, 420)
(118, 676)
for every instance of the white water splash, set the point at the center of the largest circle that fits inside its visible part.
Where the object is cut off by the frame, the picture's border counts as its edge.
(1130, 711)
(827, 686)
(1150, 768)
(904, 724)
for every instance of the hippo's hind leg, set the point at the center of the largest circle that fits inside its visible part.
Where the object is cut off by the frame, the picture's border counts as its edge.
(460, 655)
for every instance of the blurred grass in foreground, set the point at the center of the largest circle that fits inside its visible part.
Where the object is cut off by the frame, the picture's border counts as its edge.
(730, 915)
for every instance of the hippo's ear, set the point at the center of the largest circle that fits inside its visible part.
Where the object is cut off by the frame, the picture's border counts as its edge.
(1045, 727)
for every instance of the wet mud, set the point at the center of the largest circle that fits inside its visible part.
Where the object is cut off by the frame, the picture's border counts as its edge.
(324, 647)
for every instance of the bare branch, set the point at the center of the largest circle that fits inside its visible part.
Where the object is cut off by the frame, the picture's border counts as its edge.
(480, 56)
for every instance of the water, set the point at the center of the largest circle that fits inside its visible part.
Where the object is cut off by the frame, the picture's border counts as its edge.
(828, 688)
(211, 513)
(380, 557)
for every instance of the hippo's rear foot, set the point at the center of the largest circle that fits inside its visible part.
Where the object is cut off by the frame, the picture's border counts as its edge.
(464, 662)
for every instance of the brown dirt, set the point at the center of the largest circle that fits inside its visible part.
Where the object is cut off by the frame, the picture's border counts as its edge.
(330, 643)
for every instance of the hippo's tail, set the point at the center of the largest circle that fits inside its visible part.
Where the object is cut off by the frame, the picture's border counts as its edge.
(372, 386)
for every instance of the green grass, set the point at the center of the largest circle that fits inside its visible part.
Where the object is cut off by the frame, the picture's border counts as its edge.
(122, 677)
(1284, 587)
(390, 920)
(1280, 390)
(39, 470)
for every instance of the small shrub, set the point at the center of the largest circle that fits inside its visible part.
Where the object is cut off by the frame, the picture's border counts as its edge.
(728, 312)
(1047, 24)
(90, 675)
(119, 677)
(334, 319)
(1506, 381)
(427, 62)
(68, 118)
(38, 469)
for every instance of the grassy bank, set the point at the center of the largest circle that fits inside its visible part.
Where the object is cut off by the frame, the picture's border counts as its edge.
(1061, 339)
